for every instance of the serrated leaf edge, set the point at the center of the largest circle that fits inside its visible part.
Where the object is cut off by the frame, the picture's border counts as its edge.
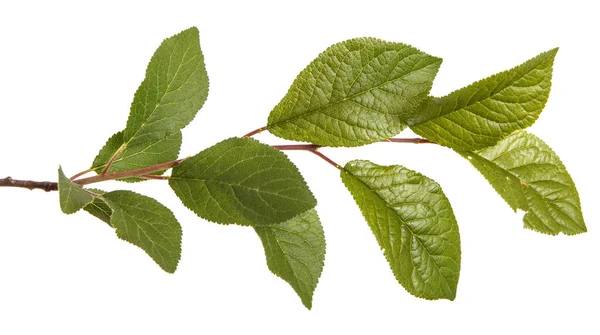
(308, 302)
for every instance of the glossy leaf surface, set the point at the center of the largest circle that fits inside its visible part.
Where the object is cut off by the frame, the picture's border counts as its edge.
(414, 224)
(528, 175)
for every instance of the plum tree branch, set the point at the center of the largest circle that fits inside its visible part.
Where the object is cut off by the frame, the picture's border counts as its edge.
(146, 172)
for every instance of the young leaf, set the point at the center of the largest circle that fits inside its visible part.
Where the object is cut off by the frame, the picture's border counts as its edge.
(175, 88)
(481, 114)
(528, 174)
(147, 224)
(98, 207)
(356, 92)
(413, 223)
(243, 181)
(72, 196)
(138, 156)
(295, 251)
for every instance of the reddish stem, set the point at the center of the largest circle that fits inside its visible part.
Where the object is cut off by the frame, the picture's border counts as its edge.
(256, 131)
(126, 174)
(80, 174)
(112, 159)
(146, 172)
(310, 148)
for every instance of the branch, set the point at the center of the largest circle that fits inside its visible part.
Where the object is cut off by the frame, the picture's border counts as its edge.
(128, 174)
(52, 186)
(310, 148)
(29, 184)
(145, 172)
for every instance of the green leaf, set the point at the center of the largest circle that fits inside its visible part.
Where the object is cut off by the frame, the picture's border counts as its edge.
(413, 223)
(72, 196)
(295, 251)
(147, 224)
(481, 114)
(356, 92)
(528, 175)
(139, 156)
(243, 181)
(99, 208)
(175, 88)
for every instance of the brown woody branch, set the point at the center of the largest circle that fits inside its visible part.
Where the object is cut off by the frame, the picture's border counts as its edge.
(29, 184)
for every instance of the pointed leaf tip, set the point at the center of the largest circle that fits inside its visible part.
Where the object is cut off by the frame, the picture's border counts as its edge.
(483, 113)
(295, 251)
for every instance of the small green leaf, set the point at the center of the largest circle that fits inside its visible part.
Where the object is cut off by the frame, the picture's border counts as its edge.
(72, 196)
(356, 92)
(147, 224)
(528, 175)
(243, 181)
(413, 223)
(146, 154)
(481, 114)
(295, 251)
(98, 207)
(175, 88)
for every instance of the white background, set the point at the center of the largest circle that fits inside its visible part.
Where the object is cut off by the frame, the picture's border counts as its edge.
(67, 76)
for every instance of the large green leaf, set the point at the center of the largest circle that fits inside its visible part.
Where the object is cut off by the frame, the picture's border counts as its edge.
(174, 89)
(72, 197)
(528, 174)
(139, 156)
(413, 223)
(356, 92)
(147, 224)
(243, 181)
(486, 111)
(295, 251)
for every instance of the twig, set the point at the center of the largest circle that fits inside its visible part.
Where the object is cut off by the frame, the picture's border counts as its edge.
(29, 184)
(256, 131)
(310, 148)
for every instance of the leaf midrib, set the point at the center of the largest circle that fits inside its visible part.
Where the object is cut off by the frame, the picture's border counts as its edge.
(204, 181)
